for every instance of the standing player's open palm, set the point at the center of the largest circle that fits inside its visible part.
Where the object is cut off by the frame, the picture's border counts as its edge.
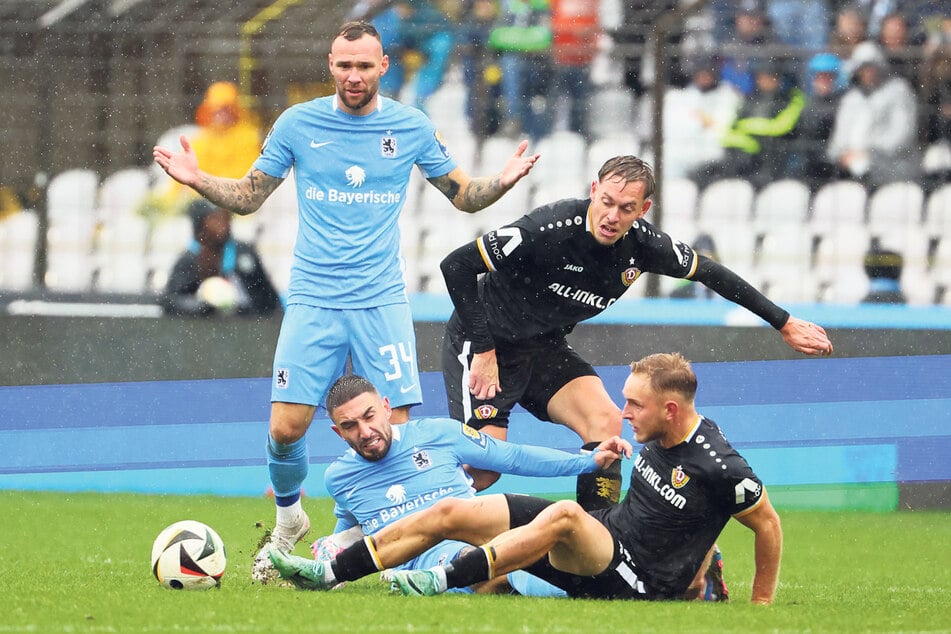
(182, 166)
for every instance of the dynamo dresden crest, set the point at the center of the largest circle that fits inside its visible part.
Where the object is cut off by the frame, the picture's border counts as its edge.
(678, 478)
(629, 275)
(485, 412)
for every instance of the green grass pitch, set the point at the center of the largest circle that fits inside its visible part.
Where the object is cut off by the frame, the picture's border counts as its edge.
(80, 563)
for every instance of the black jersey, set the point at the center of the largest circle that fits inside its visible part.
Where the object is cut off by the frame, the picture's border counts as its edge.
(547, 272)
(678, 501)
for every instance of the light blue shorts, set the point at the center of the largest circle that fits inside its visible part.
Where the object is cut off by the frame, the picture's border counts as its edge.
(315, 343)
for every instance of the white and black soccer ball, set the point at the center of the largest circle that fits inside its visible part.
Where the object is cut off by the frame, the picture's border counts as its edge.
(188, 555)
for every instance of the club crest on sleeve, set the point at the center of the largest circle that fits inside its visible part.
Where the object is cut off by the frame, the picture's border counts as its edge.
(281, 378)
(474, 435)
(678, 478)
(442, 144)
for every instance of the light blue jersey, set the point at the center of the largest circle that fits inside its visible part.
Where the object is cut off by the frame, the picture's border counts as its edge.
(351, 174)
(424, 465)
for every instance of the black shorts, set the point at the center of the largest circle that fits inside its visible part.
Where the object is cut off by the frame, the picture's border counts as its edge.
(530, 373)
(618, 581)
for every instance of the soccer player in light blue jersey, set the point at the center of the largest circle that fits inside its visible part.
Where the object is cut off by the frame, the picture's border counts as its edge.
(391, 471)
(352, 154)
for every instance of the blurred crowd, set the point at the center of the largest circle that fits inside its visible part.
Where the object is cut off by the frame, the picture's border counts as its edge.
(812, 89)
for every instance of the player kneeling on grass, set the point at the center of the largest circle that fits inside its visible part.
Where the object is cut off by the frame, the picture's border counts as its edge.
(392, 471)
(686, 483)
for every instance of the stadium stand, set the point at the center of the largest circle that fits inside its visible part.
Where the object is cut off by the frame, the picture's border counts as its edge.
(169, 237)
(19, 234)
(121, 192)
(120, 255)
(93, 245)
(724, 212)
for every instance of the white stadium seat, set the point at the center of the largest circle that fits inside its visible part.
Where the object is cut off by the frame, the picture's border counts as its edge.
(19, 234)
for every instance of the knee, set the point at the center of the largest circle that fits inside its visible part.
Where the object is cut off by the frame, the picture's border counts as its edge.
(604, 424)
(563, 516)
(287, 429)
(447, 514)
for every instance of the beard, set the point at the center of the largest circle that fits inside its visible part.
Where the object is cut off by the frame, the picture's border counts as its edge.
(366, 98)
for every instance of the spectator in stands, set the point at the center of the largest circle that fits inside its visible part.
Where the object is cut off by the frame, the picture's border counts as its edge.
(481, 69)
(414, 32)
(875, 136)
(936, 103)
(523, 38)
(900, 47)
(695, 118)
(883, 268)
(575, 32)
(760, 142)
(227, 143)
(825, 84)
(850, 30)
(752, 34)
(916, 12)
(635, 36)
(10, 202)
(936, 92)
(800, 23)
(218, 275)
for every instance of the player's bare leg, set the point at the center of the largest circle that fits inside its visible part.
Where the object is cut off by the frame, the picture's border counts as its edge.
(474, 520)
(573, 540)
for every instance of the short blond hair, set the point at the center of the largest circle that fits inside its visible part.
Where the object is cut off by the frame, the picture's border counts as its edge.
(668, 372)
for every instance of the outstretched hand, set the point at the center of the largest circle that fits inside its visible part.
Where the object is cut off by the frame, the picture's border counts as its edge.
(182, 166)
(806, 337)
(518, 166)
(612, 449)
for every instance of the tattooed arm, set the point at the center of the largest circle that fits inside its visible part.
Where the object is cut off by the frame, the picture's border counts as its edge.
(241, 195)
(472, 194)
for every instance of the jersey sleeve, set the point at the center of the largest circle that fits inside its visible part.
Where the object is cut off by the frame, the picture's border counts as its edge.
(345, 519)
(276, 157)
(741, 490)
(731, 286)
(434, 158)
(485, 452)
(665, 254)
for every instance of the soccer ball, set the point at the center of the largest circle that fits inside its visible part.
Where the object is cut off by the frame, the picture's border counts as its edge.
(220, 292)
(188, 555)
